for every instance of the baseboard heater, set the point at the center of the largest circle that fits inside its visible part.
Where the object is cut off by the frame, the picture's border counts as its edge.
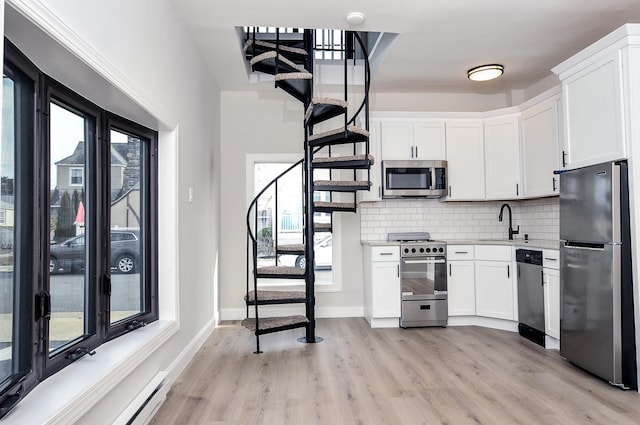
(142, 409)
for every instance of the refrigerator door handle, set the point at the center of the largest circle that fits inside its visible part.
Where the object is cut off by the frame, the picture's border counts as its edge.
(586, 246)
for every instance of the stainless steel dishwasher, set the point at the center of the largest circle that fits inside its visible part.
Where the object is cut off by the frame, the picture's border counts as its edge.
(530, 295)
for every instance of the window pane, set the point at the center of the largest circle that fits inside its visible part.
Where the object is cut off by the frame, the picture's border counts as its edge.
(127, 284)
(285, 224)
(7, 168)
(67, 280)
(323, 242)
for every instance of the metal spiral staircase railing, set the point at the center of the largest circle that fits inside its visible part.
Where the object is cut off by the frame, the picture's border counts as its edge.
(291, 60)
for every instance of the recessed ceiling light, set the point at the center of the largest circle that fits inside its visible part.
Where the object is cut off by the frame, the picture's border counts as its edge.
(485, 72)
(355, 18)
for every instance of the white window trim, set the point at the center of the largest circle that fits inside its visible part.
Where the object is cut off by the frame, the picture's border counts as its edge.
(71, 184)
(294, 284)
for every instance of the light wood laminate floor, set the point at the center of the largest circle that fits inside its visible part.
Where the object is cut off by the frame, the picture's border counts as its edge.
(359, 375)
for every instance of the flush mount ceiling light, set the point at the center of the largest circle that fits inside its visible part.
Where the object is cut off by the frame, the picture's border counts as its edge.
(485, 72)
(355, 18)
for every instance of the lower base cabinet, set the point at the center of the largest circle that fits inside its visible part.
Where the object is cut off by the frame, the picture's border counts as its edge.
(551, 279)
(385, 287)
(382, 299)
(461, 288)
(494, 289)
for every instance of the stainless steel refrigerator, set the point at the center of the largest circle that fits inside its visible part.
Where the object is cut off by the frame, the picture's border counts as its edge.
(596, 290)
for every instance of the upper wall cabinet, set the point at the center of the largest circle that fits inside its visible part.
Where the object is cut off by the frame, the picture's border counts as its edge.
(540, 148)
(593, 115)
(598, 98)
(412, 139)
(502, 156)
(465, 159)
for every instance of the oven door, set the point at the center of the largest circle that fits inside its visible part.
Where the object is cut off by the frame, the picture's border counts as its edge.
(423, 278)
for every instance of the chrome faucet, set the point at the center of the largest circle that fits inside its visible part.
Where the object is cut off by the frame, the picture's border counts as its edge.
(511, 231)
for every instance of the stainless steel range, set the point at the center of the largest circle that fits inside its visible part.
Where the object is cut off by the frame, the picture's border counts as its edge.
(423, 279)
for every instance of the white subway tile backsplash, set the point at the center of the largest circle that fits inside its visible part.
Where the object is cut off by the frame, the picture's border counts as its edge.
(539, 218)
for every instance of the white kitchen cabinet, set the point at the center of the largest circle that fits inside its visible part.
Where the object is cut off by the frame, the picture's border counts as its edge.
(502, 156)
(593, 114)
(599, 100)
(494, 289)
(465, 159)
(375, 177)
(412, 139)
(494, 281)
(429, 140)
(541, 149)
(461, 287)
(551, 280)
(396, 139)
(382, 285)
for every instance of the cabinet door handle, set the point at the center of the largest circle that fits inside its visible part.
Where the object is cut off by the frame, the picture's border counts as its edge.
(554, 183)
(449, 269)
(564, 159)
(461, 252)
(508, 272)
(379, 191)
(517, 190)
(386, 253)
(542, 277)
(416, 151)
(411, 151)
(398, 266)
(449, 190)
(550, 259)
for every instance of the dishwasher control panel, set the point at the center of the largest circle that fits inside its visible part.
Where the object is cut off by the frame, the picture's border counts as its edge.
(529, 256)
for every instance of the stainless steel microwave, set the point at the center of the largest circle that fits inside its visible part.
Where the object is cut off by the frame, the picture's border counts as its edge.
(414, 179)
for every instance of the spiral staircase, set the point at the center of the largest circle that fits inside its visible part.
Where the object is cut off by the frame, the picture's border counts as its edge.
(290, 59)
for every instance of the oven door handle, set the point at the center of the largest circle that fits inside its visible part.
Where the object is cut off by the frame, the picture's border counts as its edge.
(439, 261)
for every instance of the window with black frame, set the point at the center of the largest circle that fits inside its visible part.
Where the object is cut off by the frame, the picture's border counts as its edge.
(80, 238)
(17, 232)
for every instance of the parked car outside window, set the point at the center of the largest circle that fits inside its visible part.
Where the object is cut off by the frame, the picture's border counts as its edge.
(323, 255)
(69, 256)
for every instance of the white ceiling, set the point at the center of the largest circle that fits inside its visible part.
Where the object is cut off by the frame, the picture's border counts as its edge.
(439, 40)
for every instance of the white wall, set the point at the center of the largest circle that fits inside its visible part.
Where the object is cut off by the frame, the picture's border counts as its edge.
(268, 121)
(141, 48)
(437, 102)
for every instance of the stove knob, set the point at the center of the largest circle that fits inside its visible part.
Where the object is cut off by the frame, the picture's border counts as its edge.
(413, 250)
(406, 250)
(422, 249)
(428, 249)
(441, 250)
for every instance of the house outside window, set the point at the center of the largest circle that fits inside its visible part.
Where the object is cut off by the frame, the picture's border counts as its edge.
(76, 176)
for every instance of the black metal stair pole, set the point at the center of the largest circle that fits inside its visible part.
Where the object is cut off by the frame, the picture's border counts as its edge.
(310, 277)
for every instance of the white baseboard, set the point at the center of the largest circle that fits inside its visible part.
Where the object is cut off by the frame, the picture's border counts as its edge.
(180, 363)
(189, 352)
(145, 405)
(486, 322)
(321, 312)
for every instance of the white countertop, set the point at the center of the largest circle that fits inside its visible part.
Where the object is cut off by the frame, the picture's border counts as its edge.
(534, 243)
